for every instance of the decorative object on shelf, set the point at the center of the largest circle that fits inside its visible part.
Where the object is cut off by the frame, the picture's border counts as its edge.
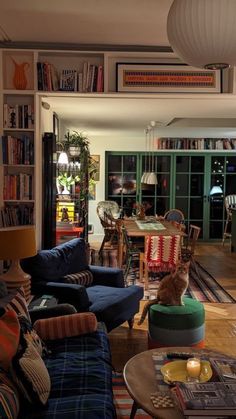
(63, 158)
(95, 166)
(66, 181)
(165, 78)
(202, 33)
(19, 77)
(17, 243)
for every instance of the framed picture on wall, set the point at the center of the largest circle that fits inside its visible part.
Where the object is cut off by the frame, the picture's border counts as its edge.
(157, 78)
(95, 166)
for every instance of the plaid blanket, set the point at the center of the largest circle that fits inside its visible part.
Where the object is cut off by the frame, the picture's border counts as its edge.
(162, 252)
(81, 378)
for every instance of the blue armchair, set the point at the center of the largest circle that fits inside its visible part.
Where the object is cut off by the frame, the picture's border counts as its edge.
(106, 296)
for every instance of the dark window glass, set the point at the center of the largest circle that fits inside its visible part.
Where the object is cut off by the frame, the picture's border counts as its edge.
(162, 163)
(148, 189)
(231, 164)
(163, 186)
(182, 164)
(216, 207)
(230, 185)
(217, 180)
(182, 205)
(217, 164)
(197, 164)
(196, 184)
(196, 208)
(128, 206)
(129, 164)
(216, 230)
(114, 163)
(182, 182)
(162, 205)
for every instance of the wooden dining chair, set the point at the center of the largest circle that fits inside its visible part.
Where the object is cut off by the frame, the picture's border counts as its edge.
(108, 213)
(190, 241)
(230, 201)
(174, 215)
(162, 254)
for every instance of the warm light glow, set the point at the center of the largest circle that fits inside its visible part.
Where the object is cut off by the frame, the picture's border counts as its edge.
(193, 367)
(17, 243)
(63, 158)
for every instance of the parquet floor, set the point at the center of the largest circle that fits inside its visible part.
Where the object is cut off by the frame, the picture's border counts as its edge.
(220, 318)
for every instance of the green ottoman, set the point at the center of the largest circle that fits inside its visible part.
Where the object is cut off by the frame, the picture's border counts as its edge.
(177, 325)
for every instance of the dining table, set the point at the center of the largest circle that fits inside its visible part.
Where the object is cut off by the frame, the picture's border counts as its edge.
(149, 226)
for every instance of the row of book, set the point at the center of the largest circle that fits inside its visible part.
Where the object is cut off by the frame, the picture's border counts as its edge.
(14, 215)
(196, 144)
(18, 116)
(18, 187)
(17, 150)
(90, 79)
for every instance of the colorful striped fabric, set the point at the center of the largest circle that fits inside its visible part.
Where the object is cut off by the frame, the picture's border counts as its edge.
(18, 304)
(162, 252)
(9, 398)
(66, 326)
(82, 278)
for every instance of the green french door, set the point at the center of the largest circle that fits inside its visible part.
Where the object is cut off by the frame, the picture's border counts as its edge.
(185, 181)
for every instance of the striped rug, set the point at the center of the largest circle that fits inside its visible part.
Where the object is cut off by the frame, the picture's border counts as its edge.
(122, 400)
(202, 286)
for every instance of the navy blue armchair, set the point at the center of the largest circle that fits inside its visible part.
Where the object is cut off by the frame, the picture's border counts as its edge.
(106, 296)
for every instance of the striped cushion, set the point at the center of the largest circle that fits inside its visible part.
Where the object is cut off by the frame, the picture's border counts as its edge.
(66, 326)
(82, 278)
(10, 334)
(29, 372)
(18, 304)
(9, 397)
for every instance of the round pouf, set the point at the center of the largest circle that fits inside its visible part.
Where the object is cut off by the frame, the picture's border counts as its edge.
(177, 325)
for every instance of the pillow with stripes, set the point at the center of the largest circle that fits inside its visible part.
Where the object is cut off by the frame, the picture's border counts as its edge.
(66, 326)
(16, 301)
(29, 371)
(9, 397)
(84, 278)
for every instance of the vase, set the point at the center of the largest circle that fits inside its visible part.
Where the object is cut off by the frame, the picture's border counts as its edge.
(19, 77)
(65, 191)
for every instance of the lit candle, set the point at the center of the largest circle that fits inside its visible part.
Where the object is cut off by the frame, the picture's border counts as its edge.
(193, 367)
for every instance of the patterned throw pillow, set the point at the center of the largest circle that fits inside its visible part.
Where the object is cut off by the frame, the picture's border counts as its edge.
(29, 371)
(9, 339)
(66, 326)
(9, 397)
(84, 278)
(18, 304)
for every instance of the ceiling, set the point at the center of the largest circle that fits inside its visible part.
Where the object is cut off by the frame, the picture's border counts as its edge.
(127, 24)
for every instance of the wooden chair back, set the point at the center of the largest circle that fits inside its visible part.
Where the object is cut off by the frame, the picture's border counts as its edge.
(192, 238)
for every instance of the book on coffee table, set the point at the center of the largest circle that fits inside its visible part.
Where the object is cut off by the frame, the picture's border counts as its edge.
(207, 399)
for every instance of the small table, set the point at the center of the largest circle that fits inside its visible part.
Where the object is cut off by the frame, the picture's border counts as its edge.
(74, 231)
(140, 380)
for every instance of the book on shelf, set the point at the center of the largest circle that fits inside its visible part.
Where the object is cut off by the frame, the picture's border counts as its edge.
(68, 80)
(210, 398)
(18, 116)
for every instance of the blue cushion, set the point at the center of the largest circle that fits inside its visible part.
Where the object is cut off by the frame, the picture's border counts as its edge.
(81, 378)
(67, 258)
(114, 306)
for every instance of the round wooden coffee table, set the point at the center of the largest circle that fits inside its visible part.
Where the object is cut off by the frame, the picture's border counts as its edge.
(140, 380)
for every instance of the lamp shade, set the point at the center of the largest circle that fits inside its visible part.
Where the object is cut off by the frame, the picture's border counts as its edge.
(63, 158)
(202, 32)
(215, 190)
(17, 242)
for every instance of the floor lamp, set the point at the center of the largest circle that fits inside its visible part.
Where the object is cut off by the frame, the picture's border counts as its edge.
(17, 243)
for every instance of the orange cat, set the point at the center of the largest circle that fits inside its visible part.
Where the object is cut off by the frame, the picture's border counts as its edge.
(171, 289)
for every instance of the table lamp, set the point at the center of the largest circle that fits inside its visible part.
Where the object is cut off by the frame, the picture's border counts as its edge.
(17, 243)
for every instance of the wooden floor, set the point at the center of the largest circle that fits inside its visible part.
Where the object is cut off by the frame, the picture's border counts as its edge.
(220, 318)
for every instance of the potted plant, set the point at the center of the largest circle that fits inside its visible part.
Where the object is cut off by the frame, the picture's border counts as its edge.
(66, 181)
(77, 143)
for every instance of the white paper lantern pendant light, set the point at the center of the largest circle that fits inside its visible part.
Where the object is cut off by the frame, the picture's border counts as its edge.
(203, 32)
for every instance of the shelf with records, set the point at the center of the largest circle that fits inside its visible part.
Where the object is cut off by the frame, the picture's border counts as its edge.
(71, 72)
(196, 144)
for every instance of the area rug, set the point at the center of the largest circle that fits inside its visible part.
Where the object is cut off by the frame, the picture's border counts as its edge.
(202, 286)
(122, 400)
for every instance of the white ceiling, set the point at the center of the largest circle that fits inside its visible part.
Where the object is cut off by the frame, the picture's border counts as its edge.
(118, 23)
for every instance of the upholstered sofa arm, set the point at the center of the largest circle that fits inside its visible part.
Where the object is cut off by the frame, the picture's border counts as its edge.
(46, 312)
(66, 326)
(111, 277)
(73, 294)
